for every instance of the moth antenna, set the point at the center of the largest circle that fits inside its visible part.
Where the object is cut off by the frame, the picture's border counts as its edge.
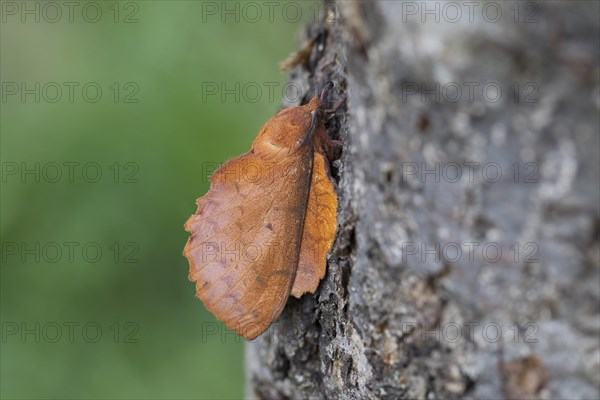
(317, 112)
(309, 134)
(325, 91)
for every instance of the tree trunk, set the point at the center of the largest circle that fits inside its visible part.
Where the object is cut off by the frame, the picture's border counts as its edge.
(467, 258)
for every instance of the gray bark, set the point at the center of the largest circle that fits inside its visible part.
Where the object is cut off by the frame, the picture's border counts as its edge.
(383, 323)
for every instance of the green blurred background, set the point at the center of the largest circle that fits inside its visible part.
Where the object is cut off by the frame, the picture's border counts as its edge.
(153, 156)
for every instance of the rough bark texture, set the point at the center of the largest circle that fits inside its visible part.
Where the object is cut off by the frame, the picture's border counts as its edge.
(383, 321)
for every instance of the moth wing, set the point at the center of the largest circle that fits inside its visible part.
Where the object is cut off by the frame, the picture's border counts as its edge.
(245, 238)
(320, 226)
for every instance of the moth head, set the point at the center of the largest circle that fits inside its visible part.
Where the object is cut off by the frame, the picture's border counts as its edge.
(289, 130)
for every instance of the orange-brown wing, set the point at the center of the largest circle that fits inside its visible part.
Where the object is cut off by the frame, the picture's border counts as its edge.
(320, 225)
(245, 238)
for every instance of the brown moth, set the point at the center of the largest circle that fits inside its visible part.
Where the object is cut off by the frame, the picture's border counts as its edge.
(263, 230)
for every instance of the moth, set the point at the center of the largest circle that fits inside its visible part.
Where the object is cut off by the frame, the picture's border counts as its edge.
(263, 230)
